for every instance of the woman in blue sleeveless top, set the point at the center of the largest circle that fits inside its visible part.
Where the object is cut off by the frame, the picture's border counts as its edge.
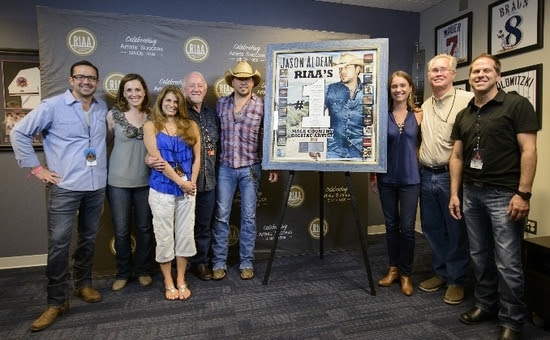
(399, 188)
(173, 137)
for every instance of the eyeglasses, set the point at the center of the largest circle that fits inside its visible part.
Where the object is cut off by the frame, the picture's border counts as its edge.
(81, 77)
(440, 69)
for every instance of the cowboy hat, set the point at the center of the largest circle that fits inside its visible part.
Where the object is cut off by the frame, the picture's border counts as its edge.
(242, 70)
(349, 59)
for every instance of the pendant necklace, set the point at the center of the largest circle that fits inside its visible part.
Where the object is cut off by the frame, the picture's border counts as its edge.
(400, 126)
(177, 165)
(448, 113)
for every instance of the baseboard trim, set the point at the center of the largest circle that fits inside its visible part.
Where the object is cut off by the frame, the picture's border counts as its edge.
(23, 261)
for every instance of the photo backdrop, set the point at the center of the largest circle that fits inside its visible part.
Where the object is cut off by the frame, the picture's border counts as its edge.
(163, 50)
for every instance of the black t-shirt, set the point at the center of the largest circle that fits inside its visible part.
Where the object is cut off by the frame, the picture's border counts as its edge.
(496, 124)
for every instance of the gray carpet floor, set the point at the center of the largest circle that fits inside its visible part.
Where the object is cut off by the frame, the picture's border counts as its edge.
(306, 298)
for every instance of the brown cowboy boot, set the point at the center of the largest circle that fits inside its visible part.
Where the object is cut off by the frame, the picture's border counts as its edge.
(391, 277)
(406, 285)
(48, 317)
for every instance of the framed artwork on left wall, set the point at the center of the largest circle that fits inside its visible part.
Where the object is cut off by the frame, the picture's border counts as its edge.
(19, 91)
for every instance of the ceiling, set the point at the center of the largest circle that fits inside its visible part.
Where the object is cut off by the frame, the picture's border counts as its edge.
(398, 5)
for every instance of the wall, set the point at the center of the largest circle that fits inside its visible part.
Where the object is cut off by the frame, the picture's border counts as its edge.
(22, 205)
(448, 10)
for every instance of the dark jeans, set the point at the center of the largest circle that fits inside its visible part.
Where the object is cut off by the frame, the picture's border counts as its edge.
(63, 208)
(446, 236)
(204, 209)
(399, 204)
(495, 249)
(124, 203)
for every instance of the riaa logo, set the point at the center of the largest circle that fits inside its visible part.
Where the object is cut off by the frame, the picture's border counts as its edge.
(296, 196)
(233, 235)
(314, 228)
(111, 83)
(196, 49)
(81, 41)
(221, 89)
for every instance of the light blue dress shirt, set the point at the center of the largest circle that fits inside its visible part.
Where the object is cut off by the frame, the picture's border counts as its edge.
(66, 137)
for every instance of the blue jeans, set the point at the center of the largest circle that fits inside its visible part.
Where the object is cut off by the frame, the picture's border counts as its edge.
(399, 204)
(445, 235)
(125, 203)
(247, 179)
(495, 249)
(63, 206)
(204, 209)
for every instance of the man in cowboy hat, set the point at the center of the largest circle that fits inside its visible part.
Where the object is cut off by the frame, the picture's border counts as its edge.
(344, 101)
(241, 116)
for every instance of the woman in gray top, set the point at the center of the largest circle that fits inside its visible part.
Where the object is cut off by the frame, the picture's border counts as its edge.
(127, 181)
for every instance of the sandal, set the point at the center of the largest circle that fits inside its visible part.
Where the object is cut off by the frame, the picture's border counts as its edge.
(182, 289)
(171, 293)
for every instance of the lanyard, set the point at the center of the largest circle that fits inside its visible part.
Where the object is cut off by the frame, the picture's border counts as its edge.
(477, 126)
(84, 122)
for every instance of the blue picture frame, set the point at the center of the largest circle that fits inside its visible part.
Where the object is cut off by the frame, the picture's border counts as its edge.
(297, 124)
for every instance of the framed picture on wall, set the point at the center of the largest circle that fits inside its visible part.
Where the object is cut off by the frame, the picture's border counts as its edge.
(326, 106)
(455, 38)
(515, 27)
(527, 81)
(462, 85)
(19, 91)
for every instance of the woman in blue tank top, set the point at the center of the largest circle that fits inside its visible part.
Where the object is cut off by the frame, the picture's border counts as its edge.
(174, 138)
(399, 187)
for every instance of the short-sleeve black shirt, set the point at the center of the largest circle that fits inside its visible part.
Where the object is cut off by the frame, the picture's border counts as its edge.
(496, 123)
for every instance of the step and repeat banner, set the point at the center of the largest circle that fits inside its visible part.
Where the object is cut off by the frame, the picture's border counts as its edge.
(163, 50)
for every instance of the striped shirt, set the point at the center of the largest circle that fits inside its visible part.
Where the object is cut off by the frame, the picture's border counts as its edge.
(240, 135)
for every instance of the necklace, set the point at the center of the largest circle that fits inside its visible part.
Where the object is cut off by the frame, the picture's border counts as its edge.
(448, 113)
(177, 165)
(400, 125)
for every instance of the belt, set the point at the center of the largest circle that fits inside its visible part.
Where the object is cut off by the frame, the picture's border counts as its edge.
(437, 169)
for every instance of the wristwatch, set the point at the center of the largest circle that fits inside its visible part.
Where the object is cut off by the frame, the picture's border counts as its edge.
(526, 196)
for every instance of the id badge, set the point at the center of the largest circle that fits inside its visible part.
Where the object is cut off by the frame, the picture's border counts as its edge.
(90, 155)
(477, 159)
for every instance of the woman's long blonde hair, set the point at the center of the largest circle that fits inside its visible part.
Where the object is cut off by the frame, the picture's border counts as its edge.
(182, 120)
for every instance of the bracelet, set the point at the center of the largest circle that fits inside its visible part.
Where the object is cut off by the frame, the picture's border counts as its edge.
(35, 171)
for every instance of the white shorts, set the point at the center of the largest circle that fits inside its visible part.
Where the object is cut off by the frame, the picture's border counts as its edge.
(174, 225)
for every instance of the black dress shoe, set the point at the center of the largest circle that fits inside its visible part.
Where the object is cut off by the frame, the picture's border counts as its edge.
(508, 334)
(204, 272)
(475, 316)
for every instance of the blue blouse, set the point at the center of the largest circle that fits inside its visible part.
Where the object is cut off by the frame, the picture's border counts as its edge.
(172, 149)
(403, 167)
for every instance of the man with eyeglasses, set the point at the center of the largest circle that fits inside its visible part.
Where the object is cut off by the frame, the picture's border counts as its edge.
(73, 129)
(445, 235)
